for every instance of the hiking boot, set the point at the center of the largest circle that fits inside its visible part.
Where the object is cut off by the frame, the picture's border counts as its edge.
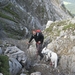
(41, 58)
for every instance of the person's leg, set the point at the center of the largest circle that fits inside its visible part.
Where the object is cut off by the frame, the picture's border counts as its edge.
(39, 49)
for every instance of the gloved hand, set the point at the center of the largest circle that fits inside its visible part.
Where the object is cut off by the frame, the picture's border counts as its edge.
(39, 42)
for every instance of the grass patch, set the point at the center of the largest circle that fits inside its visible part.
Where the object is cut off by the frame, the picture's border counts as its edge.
(54, 33)
(61, 23)
(8, 8)
(50, 28)
(6, 17)
(4, 65)
(14, 32)
(70, 26)
(55, 28)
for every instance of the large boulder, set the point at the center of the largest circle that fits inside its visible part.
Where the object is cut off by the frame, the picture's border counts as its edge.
(36, 73)
(22, 74)
(48, 24)
(17, 59)
(16, 53)
(14, 66)
(1, 74)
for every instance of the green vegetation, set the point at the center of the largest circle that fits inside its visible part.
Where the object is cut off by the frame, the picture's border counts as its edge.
(61, 23)
(56, 27)
(6, 17)
(66, 25)
(50, 28)
(40, 10)
(8, 8)
(12, 33)
(70, 26)
(4, 65)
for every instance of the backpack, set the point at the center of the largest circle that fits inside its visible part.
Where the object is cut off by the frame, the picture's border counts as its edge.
(38, 31)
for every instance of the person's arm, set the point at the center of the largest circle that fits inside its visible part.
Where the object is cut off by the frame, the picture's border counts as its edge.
(31, 39)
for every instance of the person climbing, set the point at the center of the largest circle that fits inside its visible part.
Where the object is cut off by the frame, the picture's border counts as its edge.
(39, 38)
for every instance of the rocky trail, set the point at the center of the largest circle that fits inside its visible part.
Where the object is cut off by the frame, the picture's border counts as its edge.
(30, 58)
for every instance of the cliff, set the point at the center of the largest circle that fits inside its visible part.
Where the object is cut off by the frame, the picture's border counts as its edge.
(18, 17)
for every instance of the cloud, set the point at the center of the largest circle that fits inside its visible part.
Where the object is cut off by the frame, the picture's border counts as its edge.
(66, 3)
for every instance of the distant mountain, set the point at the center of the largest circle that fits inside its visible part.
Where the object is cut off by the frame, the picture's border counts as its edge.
(70, 5)
(71, 1)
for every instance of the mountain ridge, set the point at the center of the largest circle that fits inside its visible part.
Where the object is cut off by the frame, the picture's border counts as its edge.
(28, 15)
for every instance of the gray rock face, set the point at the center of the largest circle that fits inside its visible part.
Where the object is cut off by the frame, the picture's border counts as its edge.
(16, 53)
(15, 66)
(0, 50)
(63, 44)
(28, 14)
(17, 59)
(43, 10)
(3, 3)
(68, 62)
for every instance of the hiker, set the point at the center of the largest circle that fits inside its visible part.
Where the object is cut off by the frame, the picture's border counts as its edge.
(39, 38)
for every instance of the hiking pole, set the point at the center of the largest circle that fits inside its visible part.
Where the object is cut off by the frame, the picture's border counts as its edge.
(28, 46)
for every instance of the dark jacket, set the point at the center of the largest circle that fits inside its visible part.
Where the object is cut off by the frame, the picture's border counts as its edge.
(37, 37)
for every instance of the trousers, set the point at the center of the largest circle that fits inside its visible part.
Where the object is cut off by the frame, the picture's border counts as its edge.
(39, 49)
